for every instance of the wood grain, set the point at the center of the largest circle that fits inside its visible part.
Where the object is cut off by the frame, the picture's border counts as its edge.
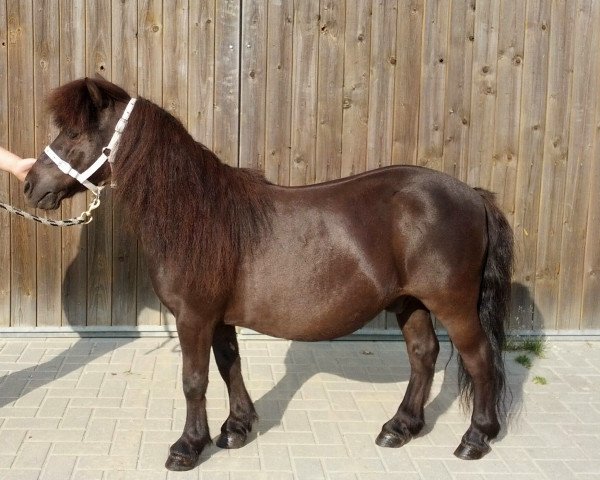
(278, 105)
(124, 243)
(5, 236)
(74, 240)
(434, 58)
(227, 87)
(150, 73)
(330, 74)
(21, 134)
(355, 103)
(529, 166)
(501, 93)
(381, 83)
(253, 84)
(409, 37)
(457, 119)
(483, 94)
(46, 77)
(99, 232)
(584, 98)
(304, 93)
(554, 166)
(508, 102)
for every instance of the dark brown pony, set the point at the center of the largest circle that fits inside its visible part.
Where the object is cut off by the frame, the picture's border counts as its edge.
(226, 248)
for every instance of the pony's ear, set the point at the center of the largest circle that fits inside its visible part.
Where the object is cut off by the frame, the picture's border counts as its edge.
(98, 76)
(95, 93)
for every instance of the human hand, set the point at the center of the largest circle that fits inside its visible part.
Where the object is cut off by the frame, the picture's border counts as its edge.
(21, 168)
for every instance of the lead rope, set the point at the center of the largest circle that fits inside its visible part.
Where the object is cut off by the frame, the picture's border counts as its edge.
(83, 219)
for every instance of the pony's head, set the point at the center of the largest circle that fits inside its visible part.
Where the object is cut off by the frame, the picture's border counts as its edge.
(86, 112)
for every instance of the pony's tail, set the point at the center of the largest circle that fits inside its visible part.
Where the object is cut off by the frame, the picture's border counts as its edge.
(494, 302)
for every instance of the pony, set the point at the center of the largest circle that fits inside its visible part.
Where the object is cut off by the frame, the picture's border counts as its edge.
(226, 248)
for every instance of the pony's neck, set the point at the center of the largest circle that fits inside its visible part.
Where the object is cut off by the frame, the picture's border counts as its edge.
(190, 209)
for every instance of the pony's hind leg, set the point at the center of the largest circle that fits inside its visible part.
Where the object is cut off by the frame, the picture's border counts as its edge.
(241, 410)
(479, 379)
(423, 348)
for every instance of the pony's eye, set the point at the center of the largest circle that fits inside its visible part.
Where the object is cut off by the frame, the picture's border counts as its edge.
(72, 134)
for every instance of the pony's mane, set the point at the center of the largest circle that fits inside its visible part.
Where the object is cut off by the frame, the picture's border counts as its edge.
(71, 105)
(189, 209)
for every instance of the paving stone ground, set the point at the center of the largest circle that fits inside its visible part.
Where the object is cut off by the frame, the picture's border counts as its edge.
(108, 409)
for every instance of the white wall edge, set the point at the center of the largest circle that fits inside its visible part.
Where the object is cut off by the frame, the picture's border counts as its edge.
(163, 331)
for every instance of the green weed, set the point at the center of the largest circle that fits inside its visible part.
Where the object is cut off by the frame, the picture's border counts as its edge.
(533, 345)
(523, 360)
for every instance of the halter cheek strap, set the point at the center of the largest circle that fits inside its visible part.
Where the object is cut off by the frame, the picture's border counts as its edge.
(106, 155)
(81, 177)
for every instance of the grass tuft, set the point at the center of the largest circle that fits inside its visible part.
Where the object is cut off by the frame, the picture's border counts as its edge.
(523, 360)
(534, 345)
(540, 380)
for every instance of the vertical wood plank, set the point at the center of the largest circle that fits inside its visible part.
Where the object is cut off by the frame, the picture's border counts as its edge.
(590, 309)
(381, 83)
(483, 94)
(227, 87)
(201, 67)
(5, 271)
(407, 84)
(279, 86)
(175, 58)
(584, 99)
(554, 167)
(98, 58)
(21, 134)
(150, 52)
(304, 93)
(46, 77)
(382, 73)
(529, 167)
(508, 99)
(357, 57)
(124, 74)
(458, 89)
(330, 73)
(253, 84)
(74, 240)
(175, 75)
(433, 76)
(150, 73)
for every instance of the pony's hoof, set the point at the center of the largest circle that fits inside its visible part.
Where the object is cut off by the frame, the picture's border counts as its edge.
(231, 440)
(391, 440)
(183, 455)
(467, 451)
(180, 463)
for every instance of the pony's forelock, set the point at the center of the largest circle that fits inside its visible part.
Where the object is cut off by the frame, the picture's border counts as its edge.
(72, 107)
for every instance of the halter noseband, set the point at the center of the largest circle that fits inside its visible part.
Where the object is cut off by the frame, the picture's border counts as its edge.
(106, 155)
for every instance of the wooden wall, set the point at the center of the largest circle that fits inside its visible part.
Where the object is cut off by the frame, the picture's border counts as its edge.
(503, 94)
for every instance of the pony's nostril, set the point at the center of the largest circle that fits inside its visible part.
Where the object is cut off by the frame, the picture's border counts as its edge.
(27, 187)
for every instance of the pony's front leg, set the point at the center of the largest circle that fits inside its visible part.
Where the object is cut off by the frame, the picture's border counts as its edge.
(195, 337)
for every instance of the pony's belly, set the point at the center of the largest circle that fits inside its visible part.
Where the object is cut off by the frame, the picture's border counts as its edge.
(292, 323)
(299, 303)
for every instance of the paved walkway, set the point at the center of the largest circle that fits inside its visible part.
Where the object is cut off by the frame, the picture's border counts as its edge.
(91, 409)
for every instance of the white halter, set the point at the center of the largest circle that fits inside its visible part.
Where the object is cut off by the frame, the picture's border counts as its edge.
(107, 154)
